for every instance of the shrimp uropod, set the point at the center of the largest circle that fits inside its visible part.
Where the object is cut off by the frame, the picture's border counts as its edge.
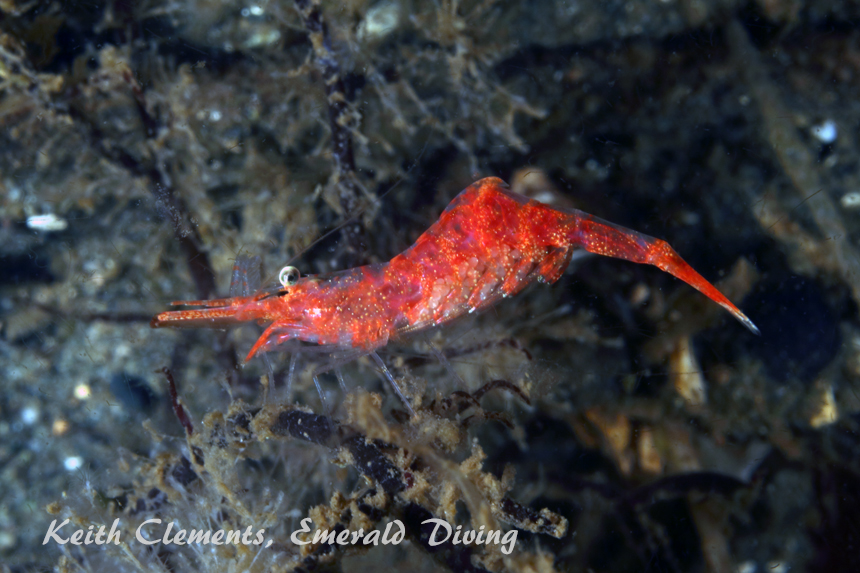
(489, 243)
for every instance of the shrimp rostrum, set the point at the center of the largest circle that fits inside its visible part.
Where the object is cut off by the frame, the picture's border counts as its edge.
(488, 244)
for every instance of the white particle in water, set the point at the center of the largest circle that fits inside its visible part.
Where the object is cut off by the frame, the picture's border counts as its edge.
(72, 463)
(850, 200)
(29, 415)
(49, 222)
(825, 132)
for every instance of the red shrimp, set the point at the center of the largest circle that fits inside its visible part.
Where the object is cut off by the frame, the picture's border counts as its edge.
(488, 244)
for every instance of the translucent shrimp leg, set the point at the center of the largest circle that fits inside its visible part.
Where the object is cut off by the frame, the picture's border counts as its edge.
(443, 360)
(387, 373)
(322, 396)
(291, 374)
(604, 238)
(340, 379)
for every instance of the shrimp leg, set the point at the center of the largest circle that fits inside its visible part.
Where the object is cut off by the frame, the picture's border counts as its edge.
(388, 376)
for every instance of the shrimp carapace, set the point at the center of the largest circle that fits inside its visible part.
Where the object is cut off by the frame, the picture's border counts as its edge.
(489, 243)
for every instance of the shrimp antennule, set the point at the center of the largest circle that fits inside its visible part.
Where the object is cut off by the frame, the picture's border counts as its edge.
(216, 313)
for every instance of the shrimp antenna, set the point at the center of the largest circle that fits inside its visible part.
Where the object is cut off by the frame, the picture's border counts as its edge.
(360, 211)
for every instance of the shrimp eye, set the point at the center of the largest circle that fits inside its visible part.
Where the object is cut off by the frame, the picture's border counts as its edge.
(288, 276)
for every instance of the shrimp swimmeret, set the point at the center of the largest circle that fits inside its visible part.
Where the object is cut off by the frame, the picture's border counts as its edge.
(488, 244)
